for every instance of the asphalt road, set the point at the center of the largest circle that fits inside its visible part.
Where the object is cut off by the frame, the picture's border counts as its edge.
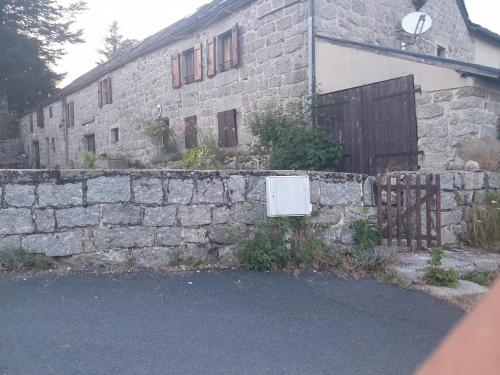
(230, 322)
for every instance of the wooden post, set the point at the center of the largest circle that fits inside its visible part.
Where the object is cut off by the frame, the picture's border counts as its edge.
(428, 209)
(379, 204)
(408, 211)
(398, 207)
(389, 209)
(418, 213)
(437, 190)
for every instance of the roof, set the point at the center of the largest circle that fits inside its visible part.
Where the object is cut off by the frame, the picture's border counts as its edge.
(460, 66)
(476, 29)
(204, 16)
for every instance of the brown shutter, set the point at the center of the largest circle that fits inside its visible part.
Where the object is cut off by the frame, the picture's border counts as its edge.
(198, 71)
(66, 115)
(235, 53)
(110, 91)
(176, 71)
(31, 124)
(231, 134)
(221, 121)
(211, 59)
(72, 114)
(40, 121)
(99, 94)
(104, 92)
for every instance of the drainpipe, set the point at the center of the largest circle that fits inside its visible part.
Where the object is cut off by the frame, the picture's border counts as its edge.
(311, 31)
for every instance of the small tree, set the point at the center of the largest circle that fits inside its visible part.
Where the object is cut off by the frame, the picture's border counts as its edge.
(114, 43)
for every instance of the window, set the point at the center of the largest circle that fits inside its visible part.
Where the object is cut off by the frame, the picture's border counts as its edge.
(228, 136)
(40, 120)
(105, 93)
(69, 114)
(90, 141)
(441, 51)
(31, 124)
(115, 135)
(188, 66)
(176, 71)
(229, 49)
(211, 59)
(53, 145)
(51, 114)
(191, 132)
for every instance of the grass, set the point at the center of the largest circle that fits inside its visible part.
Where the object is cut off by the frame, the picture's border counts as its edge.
(481, 278)
(483, 230)
(438, 276)
(22, 261)
(391, 277)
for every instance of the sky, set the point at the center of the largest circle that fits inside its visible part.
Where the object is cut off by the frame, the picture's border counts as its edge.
(142, 18)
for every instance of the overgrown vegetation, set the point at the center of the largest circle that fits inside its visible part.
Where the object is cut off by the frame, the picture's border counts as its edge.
(293, 143)
(21, 261)
(207, 155)
(483, 230)
(161, 134)
(481, 278)
(284, 243)
(438, 276)
(190, 262)
(89, 159)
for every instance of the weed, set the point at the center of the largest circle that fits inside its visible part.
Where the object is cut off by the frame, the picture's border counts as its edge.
(192, 262)
(362, 262)
(438, 276)
(20, 260)
(366, 232)
(391, 277)
(89, 159)
(175, 260)
(481, 278)
(161, 134)
(483, 230)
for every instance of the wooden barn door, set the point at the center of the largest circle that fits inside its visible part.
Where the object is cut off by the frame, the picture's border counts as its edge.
(376, 124)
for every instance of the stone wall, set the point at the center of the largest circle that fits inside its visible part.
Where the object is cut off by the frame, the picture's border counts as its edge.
(448, 119)
(379, 22)
(145, 217)
(11, 153)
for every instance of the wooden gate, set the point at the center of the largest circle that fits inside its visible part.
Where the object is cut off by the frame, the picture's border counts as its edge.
(400, 209)
(376, 124)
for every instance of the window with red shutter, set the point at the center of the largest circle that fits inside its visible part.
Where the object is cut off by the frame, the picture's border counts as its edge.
(176, 71)
(235, 53)
(228, 134)
(228, 52)
(40, 120)
(198, 71)
(99, 94)
(211, 59)
(191, 132)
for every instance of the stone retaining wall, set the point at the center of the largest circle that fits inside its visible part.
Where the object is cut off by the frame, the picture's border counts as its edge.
(11, 151)
(145, 217)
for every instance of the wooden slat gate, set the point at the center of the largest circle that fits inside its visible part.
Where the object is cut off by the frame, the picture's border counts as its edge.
(375, 123)
(403, 213)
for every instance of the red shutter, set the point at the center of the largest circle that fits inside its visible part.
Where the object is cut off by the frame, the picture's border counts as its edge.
(198, 71)
(104, 92)
(235, 53)
(211, 59)
(221, 121)
(66, 115)
(231, 134)
(99, 94)
(176, 71)
(110, 91)
(72, 114)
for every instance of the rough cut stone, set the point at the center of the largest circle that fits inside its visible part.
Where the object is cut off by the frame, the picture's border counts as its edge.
(194, 235)
(121, 214)
(108, 189)
(429, 111)
(249, 213)
(180, 191)
(256, 189)
(493, 180)
(220, 215)
(474, 181)
(189, 216)
(236, 188)
(20, 195)
(77, 217)
(126, 237)
(54, 245)
(160, 216)
(10, 243)
(106, 259)
(170, 236)
(210, 191)
(328, 215)
(448, 201)
(60, 195)
(45, 221)
(15, 221)
(148, 190)
(451, 217)
(340, 193)
(153, 257)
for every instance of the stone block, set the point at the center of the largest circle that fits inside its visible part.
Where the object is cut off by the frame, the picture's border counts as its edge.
(50, 195)
(45, 221)
(368, 192)
(451, 217)
(126, 237)
(54, 244)
(429, 111)
(220, 215)
(210, 191)
(10, 243)
(493, 179)
(20, 195)
(226, 234)
(180, 191)
(121, 214)
(236, 188)
(160, 216)
(194, 235)
(101, 260)
(337, 194)
(189, 216)
(108, 189)
(148, 190)
(249, 212)
(153, 257)
(325, 215)
(474, 181)
(15, 221)
(448, 201)
(169, 236)
(256, 189)
(77, 217)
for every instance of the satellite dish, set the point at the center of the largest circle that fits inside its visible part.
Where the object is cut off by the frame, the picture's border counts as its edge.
(416, 23)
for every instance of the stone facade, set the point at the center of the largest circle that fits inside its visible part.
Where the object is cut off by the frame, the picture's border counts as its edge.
(144, 218)
(11, 153)
(273, 69)
(447, 119)
(148, 216)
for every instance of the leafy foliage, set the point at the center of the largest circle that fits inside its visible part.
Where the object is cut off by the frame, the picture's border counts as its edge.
(481, 278)
(293, 143)
(438, 276)
(32, 36)
(20, 260)
(162, 135)
(114, 43)
(366, 233)
(483, 230)
(89, 159)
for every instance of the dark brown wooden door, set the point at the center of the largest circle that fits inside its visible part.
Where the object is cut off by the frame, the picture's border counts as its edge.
(36, 154)
(375, 123)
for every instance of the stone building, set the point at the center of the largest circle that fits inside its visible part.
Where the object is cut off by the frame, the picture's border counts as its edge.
(208, 73)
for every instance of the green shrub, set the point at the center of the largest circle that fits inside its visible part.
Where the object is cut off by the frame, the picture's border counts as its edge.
(270, 124)
(366, 232)
(20, 260)
(481, 278)
(161, 134)
(483, 230)
(89, 159)
(438, 276)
